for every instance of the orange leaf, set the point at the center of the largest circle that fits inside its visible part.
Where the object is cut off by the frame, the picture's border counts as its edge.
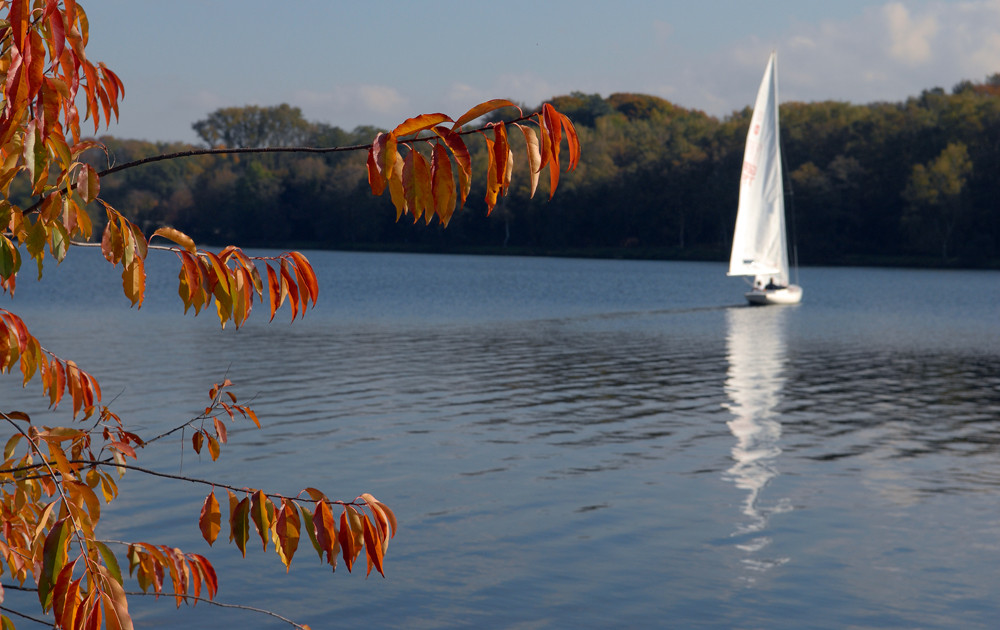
(213, 447)
(442, 184)
(457, 147)
(176, 236)
(275, 296)
(306, 272)
(423, 190)
(134, 281)
(481, 110)
(500, 150)
(286, 531)
(288, 283)
(326, 531)
(546, 148)
(572, 141)
(197, 440)
(207, 573)
(492, 184)
(418, 124)
(210, 520)
(346, 540)
(373, 545)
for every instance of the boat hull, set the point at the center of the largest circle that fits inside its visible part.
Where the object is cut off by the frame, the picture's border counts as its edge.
(792, 294)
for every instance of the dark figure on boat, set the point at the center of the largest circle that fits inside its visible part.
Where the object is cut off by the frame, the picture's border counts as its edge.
(771, 286)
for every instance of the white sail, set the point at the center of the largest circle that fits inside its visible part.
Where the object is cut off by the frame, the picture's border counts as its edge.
(759, 245)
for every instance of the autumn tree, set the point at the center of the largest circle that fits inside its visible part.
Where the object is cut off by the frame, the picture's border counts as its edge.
(54, 479)
(934, 193)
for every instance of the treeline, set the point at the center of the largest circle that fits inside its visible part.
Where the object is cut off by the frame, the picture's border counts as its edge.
(885, 183)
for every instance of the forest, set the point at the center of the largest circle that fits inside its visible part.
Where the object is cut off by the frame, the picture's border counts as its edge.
(910, 183)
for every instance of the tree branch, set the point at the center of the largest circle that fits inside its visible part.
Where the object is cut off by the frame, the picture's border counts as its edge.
(16, 587)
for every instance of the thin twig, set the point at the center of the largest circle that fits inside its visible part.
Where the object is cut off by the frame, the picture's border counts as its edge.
(28, 617)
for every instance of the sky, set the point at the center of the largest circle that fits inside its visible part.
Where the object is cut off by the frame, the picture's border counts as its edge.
(378, 62)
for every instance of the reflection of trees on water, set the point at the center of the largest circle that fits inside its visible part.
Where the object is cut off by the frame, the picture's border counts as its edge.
(756, 354)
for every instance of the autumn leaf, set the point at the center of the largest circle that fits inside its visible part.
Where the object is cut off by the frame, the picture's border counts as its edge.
(210, 521)
(462, 157)
(134, 281)
(262, 512)
(419, 123)
(286, 532)
(534, 156)
(442, 184)
(481, 110)
(239, 524)
(178, 237)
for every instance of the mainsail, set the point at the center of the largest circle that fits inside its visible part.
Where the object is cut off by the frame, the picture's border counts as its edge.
(759, 246)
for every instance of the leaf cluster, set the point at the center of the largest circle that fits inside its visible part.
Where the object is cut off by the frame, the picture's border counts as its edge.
(54, 480)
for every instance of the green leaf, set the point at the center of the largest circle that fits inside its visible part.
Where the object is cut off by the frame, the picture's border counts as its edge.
(10, 258)
(307, 519)
(239, 524)
(59, 242)
(54, 556)
(262, 512)
(110, 561)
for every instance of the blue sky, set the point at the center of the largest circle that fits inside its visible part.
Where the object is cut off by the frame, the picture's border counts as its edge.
(379, 62)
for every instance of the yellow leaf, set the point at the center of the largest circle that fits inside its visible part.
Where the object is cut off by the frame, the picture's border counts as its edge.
(534, 155)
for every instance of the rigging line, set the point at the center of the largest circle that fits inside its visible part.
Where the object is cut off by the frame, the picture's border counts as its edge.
(787, 179)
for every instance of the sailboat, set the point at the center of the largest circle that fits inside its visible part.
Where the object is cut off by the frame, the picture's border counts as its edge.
(760, 247)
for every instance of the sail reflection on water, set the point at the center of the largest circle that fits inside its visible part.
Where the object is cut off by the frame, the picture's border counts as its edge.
(756, 353)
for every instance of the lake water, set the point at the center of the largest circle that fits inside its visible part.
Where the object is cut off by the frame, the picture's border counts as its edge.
(574, 443)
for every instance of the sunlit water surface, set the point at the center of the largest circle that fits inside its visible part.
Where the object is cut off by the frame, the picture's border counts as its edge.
(573, 443)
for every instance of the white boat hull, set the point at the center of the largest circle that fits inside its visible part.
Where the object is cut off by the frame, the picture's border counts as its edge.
(792, 294)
